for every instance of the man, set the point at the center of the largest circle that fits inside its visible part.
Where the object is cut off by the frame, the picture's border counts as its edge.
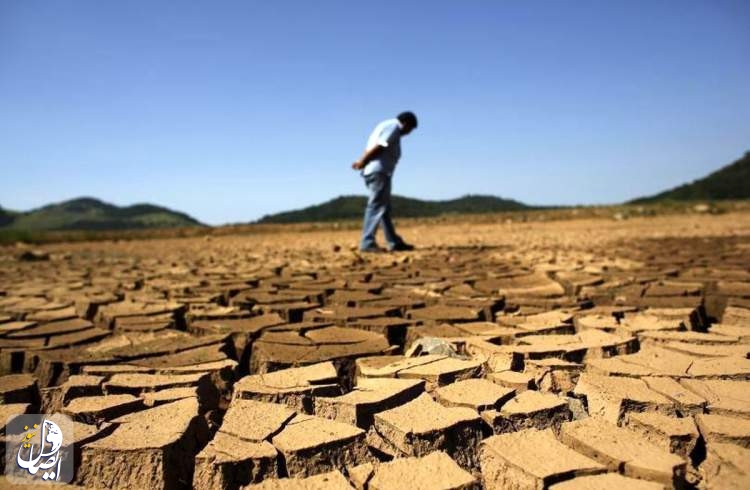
(377, 165)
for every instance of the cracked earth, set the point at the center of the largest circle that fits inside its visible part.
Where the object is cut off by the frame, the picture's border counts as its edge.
(564, 355)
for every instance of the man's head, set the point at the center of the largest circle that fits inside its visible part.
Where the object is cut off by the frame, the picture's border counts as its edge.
(408, 120)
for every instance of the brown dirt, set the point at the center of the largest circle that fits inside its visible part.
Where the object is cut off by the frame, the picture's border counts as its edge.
(588, 354)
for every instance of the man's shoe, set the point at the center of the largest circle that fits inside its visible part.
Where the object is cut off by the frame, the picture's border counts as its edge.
(372, 250)
(402, 247)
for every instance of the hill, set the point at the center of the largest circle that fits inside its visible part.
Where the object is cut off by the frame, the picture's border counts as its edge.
(87, 213)
(730, 182)
(352, 207)
(6, 216)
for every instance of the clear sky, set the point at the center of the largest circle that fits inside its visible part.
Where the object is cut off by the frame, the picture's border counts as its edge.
(231, 110)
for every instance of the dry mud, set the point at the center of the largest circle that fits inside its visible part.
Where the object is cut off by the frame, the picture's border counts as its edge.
(586, 354)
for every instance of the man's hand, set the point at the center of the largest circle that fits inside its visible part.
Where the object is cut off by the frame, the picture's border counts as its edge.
(365, 159)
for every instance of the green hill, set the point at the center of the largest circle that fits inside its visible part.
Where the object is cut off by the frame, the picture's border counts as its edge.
(352, 207)
(730, 182)
(92, 214)
(6, 216)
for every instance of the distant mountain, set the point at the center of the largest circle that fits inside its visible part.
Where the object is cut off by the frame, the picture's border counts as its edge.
(730, 182)
(6, 216)
(352, 207)
(87, 213)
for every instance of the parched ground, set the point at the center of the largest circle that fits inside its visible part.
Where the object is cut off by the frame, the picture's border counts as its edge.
(569, 354)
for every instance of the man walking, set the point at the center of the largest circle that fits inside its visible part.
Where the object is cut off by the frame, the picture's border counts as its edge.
(377, 165)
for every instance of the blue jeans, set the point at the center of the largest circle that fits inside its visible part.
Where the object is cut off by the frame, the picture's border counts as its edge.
(378, 211)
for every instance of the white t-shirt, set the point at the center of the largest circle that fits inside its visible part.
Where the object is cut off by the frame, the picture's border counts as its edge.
(388, 135)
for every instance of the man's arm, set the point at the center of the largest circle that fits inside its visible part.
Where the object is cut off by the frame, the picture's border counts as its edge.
(367, 156)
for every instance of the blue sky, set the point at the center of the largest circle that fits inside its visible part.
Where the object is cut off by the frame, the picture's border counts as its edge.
(231, 110)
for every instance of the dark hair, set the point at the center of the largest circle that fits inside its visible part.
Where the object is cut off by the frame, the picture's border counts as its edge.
(408, 118)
